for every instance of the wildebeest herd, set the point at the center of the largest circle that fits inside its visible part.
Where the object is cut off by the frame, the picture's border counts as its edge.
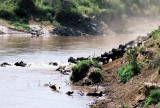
(115, 53)
(104, 58)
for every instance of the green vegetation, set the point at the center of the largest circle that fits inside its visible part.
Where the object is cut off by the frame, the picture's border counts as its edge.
(130, 70)
(124, 106)
(153, 98)
(125, 73)
(75, 10)
(81, 69)
(158, 105)
(96, 76)
(20, 27)
(155, 34)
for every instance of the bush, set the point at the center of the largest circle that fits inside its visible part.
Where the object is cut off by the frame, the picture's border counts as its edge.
(153, 98)
(132, 59)
(96, 76)
(81, 69)
(130, 70)
(125, 73)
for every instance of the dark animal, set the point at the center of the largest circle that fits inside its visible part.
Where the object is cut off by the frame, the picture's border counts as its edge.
(5, 64)
(122, 47)
(104, 60)
(144, 52)
(53, 63)
(130, 43)
(22, 64)
(72, 60)
(52, 86)
(81, 58)
(70, 93)
(94, 94)
(104, 55)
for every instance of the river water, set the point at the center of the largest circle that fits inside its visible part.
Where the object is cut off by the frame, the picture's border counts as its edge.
(23, 87)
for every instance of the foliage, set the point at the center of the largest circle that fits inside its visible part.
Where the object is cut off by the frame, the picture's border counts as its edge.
(153, 98)
(124, 106)
(158, 105)
(125, 73)
(20, 26)
(155, 34)
(132, 59)
(81, 69)
(51, 10)
(96, 76)
(130, 70)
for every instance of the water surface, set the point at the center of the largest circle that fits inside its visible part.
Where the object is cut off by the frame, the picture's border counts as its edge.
(23, 87)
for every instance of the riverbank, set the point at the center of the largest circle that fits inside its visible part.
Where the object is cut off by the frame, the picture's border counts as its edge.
(133, 92)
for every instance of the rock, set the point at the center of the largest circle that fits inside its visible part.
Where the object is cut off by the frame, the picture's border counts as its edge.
(37, 30)
(1, 32)
(150, 86)
(60, 68)
(64, 31)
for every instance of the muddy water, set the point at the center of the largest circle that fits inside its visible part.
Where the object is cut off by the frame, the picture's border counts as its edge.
(23, 87)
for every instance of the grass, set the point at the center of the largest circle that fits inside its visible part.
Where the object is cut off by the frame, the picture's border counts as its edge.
(21, 26)
(96, 76)
(81, 69)
(155, 34)
(124, 106)
(153, 98)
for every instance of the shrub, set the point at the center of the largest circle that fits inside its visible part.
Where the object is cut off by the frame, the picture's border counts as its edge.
(153, 98)
(130, 70)
(96, 76)
(125, 73)
(81, 69)
(132, 59)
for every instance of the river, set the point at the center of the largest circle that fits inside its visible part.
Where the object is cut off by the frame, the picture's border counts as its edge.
(23, 87)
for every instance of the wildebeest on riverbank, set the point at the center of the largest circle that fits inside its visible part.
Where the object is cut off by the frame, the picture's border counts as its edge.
(113, 54)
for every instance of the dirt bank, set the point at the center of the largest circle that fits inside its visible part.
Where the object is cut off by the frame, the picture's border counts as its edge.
(117, 93)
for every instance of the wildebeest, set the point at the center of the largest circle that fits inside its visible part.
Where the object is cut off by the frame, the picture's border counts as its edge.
(70, 93)
(72, 60)
(53, 63)
(22, 64)
(52, 86)
(5, 64)
(81, 58)
(94, 94)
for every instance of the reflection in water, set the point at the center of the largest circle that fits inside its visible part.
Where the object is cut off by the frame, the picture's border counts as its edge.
(23, 87)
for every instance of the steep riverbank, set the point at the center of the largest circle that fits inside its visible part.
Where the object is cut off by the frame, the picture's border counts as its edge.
(134, 93)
